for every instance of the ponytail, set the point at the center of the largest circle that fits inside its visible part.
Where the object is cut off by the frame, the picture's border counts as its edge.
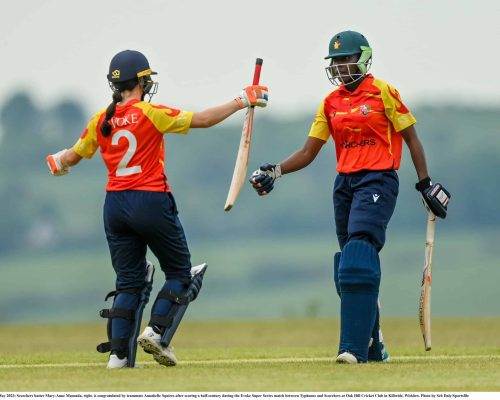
(118, 88)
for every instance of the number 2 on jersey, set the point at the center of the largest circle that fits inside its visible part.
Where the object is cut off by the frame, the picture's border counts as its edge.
(122, 169)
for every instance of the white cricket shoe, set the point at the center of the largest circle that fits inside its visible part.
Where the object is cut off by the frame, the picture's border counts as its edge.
(346, 358)
(116, 362)
(149, 340)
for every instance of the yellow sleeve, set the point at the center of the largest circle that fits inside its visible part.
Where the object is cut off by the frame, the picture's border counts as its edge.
(87, 144)
(166, 119)
(395, 110)
(319, 128)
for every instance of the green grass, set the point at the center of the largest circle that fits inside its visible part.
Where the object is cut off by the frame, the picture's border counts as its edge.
(287, 355)
(281, 277)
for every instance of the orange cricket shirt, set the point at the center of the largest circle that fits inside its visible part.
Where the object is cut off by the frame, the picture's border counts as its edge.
(134, 153)
(364, 125)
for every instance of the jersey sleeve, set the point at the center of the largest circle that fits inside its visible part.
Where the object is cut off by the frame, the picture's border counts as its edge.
(319, 128)
(166, 119)
(87, 144)
(395, 110)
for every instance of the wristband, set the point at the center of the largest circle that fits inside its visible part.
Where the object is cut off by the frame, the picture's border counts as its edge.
(423, 184)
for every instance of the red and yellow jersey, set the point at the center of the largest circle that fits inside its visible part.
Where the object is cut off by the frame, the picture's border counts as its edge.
(134, 153)
(364, 125)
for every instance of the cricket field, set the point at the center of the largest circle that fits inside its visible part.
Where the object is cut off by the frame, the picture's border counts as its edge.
(256, 356)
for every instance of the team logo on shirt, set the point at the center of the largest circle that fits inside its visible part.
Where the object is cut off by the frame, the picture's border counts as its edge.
(364, 109)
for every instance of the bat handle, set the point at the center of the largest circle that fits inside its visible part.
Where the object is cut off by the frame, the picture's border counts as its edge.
(256, 74)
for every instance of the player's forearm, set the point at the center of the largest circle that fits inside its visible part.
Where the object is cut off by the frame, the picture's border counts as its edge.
(416, 151)
(70, 158)
(418, 157)
(298, 160)
(214, 115)
(303, 157)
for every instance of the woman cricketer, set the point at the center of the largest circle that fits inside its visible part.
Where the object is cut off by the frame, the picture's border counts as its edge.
(368, 122)
(139, 209)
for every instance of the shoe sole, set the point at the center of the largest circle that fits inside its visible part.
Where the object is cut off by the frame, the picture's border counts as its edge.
(159, 357)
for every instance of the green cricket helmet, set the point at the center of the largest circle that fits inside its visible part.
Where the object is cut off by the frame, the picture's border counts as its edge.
(348, 43)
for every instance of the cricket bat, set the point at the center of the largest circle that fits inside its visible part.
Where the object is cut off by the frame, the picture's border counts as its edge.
(424, 311)
(241, 166)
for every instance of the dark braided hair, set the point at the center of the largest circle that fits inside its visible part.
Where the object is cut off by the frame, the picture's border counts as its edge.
(118, 88)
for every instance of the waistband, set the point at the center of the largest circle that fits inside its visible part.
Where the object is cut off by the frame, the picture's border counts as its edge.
(365, 171)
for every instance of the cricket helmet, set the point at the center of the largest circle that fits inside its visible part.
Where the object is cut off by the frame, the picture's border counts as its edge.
(130, 64)
(348, 43)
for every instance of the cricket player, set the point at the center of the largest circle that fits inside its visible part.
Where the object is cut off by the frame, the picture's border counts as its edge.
(368, 122)
(140, 210)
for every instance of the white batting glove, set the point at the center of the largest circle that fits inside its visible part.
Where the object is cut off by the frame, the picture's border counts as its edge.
(254, 95)
(55, 164)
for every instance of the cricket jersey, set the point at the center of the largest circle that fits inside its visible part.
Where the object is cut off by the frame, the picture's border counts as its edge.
(365, 125)
(134, 152)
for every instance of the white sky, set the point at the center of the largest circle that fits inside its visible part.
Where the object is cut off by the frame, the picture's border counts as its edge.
(204, 50)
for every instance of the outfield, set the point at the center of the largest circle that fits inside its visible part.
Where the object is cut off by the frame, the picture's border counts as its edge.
(292, 355)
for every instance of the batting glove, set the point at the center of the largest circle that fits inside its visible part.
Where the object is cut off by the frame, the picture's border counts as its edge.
(435, 197)
(254, 95)
(263, 179)
(55, 164)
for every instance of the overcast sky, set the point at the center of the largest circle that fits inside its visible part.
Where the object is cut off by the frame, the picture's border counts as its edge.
(204, 50)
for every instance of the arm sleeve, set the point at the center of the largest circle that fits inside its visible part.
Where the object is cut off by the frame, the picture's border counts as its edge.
(395, 110)
(87, 144)
(166, 119)
(319, 128)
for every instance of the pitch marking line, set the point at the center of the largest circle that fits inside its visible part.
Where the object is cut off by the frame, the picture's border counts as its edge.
(256, 361)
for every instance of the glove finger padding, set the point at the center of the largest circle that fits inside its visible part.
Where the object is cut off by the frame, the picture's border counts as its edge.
(254, 95)
(55, 165)
(266, 186)
(263, 179)
(436, 198)
(262, 183)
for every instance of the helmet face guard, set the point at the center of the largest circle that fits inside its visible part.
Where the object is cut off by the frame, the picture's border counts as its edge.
(149, 87)
(363, 65)
(348, 43)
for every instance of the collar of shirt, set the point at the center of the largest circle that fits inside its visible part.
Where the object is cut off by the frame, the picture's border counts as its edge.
(364, 86)
(127, 104)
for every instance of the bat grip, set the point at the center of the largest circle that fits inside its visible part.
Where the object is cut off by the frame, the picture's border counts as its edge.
(256, 74)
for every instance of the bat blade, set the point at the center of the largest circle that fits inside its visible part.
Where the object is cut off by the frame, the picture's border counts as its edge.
(424, 310)
(241, 165)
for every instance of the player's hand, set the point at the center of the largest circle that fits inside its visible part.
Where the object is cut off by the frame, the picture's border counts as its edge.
(254, 95)
(435, 197)
(263, 179)
(55, 164)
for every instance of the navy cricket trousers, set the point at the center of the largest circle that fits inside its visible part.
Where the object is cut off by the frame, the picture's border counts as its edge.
(135, 220)
(363, 205)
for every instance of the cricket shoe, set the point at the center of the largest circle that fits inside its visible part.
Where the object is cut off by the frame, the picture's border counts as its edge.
(385, 354)
(117, 362)
(149, 340)
(346, 358)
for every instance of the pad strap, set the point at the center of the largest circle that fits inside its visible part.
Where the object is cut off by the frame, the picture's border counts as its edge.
(113, 293)
(163, 321)
(113, 343)
(169, 295)
(117, 313)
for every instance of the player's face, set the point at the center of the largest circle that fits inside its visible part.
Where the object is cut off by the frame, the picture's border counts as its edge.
(346, 67)
(344, 70)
